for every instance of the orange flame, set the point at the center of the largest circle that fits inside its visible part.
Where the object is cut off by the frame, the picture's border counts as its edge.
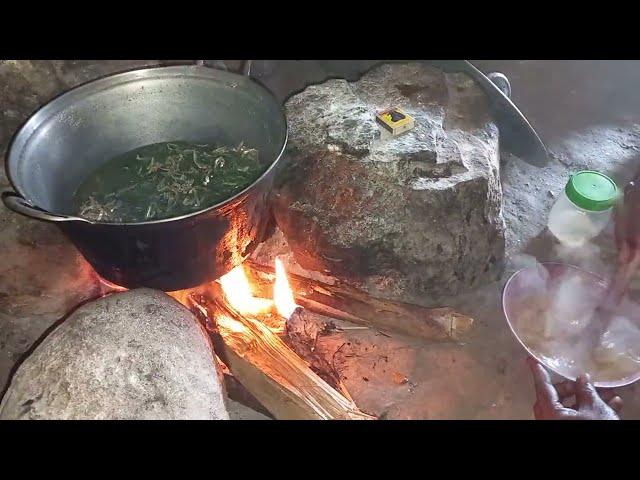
(230, 324)
(237, 290)
(236, 287)
(282, 294)
(181, 296)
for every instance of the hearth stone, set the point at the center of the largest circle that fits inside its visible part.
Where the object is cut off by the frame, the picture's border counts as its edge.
(412, 217)
(132, 355)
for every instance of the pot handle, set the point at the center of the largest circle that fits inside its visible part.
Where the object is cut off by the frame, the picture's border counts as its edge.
(501, 81)
(16, 203)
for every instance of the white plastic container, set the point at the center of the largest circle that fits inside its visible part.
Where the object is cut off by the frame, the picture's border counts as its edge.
(584, 209)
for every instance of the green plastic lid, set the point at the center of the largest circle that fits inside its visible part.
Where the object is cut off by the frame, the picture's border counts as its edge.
(592, 191)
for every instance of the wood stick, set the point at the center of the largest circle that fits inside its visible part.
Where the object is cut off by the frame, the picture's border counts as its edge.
(239, 393)
(347, 303)
(301, 335)
(274, 374)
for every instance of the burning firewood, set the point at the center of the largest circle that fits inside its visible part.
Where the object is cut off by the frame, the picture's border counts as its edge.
(346, 303)
(270, 345)
(271, 371)
(301, 334)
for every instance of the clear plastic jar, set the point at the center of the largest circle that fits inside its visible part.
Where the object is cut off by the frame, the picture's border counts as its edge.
(584, 209)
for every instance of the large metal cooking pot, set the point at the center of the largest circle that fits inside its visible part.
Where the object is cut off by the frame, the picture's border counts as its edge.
(66, 140)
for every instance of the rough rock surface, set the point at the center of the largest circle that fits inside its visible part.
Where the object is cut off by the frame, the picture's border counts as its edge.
(42, 277)
(412, 217)
(133, 355)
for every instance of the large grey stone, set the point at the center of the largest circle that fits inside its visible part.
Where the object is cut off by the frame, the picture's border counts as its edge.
(132, 355)
(411, 217)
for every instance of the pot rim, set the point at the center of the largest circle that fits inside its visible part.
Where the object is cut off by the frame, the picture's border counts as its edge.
(198, 70)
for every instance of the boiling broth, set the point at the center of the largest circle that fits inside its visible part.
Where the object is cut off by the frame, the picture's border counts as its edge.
(553, 322)
(165, 180)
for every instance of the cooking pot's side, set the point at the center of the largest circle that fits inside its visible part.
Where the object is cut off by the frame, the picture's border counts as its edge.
(73, 134)
(179, 254)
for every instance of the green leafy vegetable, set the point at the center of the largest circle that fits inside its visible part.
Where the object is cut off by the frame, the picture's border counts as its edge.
(165, 180)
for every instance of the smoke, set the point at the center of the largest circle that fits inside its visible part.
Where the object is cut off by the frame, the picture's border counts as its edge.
(523, 260)
(588, 257)
(553, 311)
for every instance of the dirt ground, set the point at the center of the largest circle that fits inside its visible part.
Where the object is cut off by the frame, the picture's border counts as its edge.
(588, 114)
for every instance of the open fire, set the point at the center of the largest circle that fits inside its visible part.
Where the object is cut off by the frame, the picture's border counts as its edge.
(249, 335)
(265, 325)
(237, 289)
